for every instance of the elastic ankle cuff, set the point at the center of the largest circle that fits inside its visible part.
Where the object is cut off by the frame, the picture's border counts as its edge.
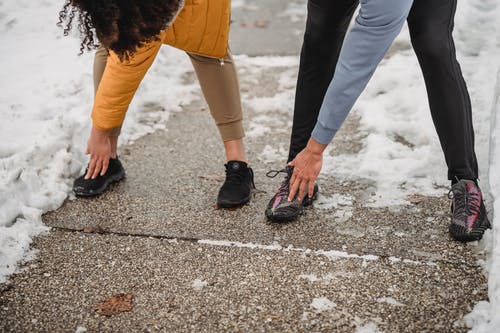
(231, 131)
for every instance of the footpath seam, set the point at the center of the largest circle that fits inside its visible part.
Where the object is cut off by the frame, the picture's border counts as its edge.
(193, 240)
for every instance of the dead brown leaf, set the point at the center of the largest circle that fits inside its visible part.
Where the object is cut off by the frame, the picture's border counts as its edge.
(116, 304)
(416, 198)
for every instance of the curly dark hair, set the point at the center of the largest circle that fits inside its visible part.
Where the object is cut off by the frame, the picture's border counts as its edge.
(119, 25)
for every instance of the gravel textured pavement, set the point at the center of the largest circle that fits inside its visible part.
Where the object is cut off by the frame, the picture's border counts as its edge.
(191, 267)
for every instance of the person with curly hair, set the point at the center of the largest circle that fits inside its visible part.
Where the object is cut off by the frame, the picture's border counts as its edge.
(128, 35)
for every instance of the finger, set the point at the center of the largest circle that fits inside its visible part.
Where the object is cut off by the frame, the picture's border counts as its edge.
(311, 188)
(90, 170)
(302, 189)
(295, 174)
(87, 151)
(292, 163)
(293, 189)
(97, 169)
(105, 165)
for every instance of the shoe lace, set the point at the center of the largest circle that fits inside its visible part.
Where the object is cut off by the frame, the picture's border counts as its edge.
(285, 185)
(464, 201)
(252, 178)
(237, 176)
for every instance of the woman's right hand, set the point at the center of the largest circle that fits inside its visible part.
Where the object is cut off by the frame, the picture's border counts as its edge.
(99, 149)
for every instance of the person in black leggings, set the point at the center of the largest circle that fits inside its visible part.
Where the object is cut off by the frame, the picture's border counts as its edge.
(431, 24)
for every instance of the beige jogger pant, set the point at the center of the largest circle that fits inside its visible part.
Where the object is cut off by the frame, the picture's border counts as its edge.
(219, 84)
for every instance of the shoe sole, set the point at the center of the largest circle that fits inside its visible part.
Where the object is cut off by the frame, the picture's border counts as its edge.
(462, 234)
(284, 219)
(228, 204)
(109, 181)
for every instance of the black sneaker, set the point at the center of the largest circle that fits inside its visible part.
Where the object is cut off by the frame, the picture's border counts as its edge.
(92, 187)
(237, 188)
(469, 220)
(279, 208)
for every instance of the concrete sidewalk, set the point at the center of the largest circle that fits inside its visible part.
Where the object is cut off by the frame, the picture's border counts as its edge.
(193, 268)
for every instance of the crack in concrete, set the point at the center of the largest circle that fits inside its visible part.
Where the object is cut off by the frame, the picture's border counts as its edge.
(331, 254)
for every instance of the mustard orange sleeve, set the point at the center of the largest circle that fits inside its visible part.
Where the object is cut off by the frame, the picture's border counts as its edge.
(119, 84)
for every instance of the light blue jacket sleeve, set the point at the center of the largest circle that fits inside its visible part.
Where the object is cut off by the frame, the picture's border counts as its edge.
(375, 28)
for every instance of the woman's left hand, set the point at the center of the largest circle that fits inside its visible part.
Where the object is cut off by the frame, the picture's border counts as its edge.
(306, 168)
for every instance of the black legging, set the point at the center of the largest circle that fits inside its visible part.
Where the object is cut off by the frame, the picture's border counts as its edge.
(431, 26)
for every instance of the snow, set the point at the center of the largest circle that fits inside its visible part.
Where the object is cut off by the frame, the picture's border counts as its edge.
(198, 284)
(330, 254)
(367, 328)
(389, 300)
(310, 277)
(271, 155)
(80, 329)
(47, 95)
(486, 315)
(483, 61)
(274, 247)
(295, 11)
(333, 255)
(327, 278)
(320, 304)
(45, 110)
(339, 206)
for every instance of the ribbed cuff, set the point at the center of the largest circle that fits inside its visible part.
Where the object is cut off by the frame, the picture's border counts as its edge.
(113, 131)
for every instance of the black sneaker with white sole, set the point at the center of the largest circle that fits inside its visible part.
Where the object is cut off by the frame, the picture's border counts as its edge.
(279, 208)
(92, 187)
(237, 188)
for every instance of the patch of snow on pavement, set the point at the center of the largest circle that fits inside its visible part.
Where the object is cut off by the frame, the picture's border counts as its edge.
(198, 284)
(330, 254)
(339, 204)
(321, 304)
(273, 155)
(80, 329)
(310, 277)
(367, 328)
(389, 300)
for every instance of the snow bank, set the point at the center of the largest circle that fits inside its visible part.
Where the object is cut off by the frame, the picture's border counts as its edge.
(47, 95)
(480, 39)
(486, 315)
(44, 119)
(321, 304)
(401, 154)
